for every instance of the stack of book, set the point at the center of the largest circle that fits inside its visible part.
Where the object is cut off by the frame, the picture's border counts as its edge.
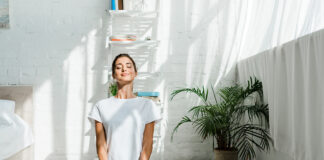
(117, 5)
(125, 4)
(133, 5)
(123, 38)
(150, 95)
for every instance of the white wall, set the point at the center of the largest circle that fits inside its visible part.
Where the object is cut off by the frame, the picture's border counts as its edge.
(59, 47)
(204, 39)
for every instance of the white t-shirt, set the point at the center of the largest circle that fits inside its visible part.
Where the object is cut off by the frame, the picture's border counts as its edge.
(124, 122)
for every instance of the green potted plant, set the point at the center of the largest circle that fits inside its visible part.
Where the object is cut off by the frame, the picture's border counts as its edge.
(113, 88)
(237, 127)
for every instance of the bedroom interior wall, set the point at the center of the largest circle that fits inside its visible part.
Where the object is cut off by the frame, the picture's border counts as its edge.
(58, 47)
(224, 33)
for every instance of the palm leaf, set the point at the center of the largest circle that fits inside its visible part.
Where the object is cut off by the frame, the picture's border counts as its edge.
(260, 112)
(253, 86)
(223, 120)
(201, 93)
(251, 135)
(198, 110)
(231, 95)
(204, 126)
(185, 119)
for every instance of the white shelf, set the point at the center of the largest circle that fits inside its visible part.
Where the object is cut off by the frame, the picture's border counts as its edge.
(140, 75)
(135, 42)
(134, 16)
(141, 24)
(125, 13)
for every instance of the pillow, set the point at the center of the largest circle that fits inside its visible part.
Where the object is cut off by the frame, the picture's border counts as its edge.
(6, 120)
(7, 106)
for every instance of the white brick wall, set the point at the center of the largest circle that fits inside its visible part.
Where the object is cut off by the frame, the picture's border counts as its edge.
(54, 46)
(58, 46)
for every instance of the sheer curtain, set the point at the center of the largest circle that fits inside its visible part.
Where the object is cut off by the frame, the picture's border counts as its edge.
(293, 77)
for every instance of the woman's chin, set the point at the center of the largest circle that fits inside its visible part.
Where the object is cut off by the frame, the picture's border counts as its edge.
(125, 80)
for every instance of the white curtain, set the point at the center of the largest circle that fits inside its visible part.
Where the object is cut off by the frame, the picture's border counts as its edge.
(293, 77)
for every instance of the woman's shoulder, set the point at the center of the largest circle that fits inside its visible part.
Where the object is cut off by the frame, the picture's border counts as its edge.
(104, 101)
(113, 101)
(144, 99)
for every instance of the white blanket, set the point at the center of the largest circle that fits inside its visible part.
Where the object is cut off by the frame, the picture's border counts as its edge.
(15, 134)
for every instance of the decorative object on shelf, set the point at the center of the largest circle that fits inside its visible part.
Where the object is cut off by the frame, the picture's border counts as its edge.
(127, 13)
(133, 5)
(4, 14)
(113, 88)
(120, 5)
(123, 38)
(113, 4)
(14, 132)
(128, 31)
(117, 5)
(148, 94)
(238, 127)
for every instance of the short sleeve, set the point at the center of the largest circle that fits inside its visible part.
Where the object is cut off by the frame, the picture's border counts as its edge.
(153, 113)
(94, 113)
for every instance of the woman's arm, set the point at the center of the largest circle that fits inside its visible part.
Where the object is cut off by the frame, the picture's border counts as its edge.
(101, 141)
(147, 144)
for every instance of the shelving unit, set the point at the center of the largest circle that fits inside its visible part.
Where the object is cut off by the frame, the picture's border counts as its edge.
(139, 24)
(143, 26)
(143, 42)
(124, 13)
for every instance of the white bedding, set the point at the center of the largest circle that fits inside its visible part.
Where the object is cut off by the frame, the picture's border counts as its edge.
(14, 132)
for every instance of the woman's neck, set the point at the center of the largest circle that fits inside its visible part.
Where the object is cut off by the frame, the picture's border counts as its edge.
(125, 91)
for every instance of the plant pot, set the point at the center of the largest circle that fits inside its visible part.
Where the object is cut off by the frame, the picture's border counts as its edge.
(226, 155)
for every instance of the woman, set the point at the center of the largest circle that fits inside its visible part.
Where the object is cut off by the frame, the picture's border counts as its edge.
(124, 123)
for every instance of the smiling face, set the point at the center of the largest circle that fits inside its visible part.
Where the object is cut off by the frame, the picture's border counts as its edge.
(124, 70)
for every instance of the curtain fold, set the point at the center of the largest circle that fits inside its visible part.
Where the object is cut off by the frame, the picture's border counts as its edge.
(293, 77)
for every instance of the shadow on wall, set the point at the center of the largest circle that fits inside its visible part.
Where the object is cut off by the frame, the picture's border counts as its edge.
(73, 81)
(182, 66)
(198, 47)
(192, 59)
(64, 83)
(189, 59)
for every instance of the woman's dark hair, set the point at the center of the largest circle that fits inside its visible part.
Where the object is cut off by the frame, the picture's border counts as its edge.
(119, 56)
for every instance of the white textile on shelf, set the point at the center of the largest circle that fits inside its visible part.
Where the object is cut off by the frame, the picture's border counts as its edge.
(293, 77)
(15, 134)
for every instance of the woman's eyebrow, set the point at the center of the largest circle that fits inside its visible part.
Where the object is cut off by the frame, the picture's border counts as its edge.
(121, 63)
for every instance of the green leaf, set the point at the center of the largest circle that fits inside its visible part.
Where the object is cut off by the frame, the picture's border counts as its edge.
(225, 119)
(185, 119)
(201, 93)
